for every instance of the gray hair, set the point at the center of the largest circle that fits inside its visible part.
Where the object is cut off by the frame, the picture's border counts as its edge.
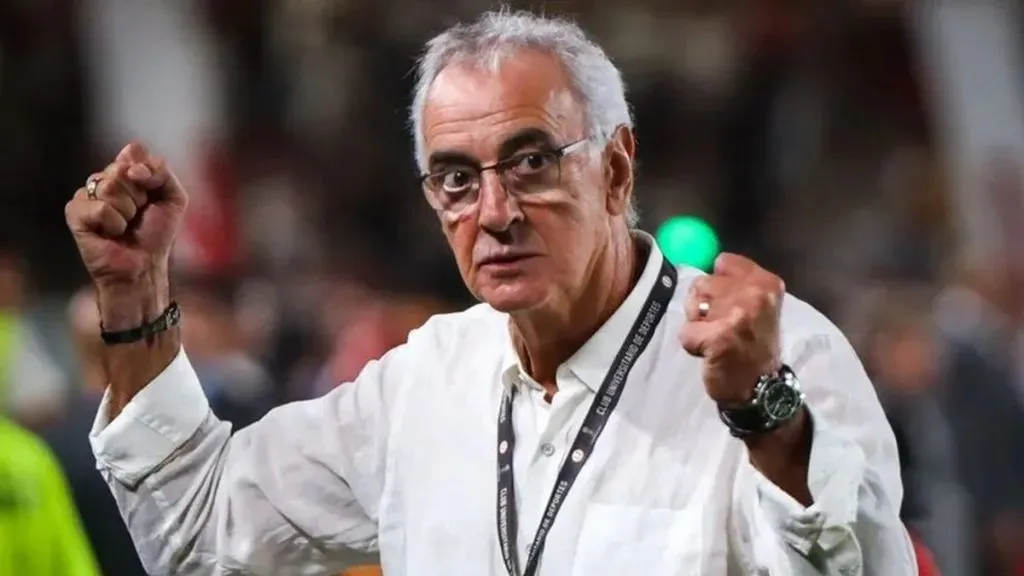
(499, 34)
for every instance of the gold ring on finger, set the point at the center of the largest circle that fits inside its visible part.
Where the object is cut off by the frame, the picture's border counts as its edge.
(91, 185)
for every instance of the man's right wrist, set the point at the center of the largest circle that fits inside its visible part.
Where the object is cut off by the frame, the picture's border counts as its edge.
(124, 306)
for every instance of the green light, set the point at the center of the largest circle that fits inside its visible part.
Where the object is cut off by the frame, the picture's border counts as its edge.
(688, 240)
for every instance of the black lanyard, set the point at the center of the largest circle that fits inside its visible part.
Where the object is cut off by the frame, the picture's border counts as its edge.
(583, 445)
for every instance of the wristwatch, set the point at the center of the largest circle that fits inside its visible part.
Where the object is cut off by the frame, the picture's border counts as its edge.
(777, 400)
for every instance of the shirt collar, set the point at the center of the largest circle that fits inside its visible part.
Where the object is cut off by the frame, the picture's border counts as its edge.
(591, 362)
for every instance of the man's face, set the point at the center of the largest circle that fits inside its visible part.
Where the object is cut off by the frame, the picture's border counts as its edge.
(518, 251)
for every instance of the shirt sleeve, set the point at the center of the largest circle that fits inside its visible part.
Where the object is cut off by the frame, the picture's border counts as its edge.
(291, 493)
(853, 526)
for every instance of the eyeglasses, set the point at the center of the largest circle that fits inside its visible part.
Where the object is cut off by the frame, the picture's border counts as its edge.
(453, 189)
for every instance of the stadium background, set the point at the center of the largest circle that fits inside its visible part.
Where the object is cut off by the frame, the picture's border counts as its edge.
(871, 151)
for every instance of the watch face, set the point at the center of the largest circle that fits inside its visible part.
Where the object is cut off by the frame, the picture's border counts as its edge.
(779, 400)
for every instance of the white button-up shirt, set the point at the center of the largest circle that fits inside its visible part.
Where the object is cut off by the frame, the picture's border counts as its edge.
(403, 460)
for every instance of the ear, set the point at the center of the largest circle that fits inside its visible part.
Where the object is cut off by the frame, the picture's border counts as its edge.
(618, 169)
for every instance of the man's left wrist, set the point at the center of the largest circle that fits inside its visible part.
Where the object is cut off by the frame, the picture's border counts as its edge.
(774, 400)
(783, 455)
(784, 441)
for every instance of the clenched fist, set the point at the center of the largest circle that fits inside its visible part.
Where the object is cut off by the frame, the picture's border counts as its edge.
(733, 324)
(124, 222)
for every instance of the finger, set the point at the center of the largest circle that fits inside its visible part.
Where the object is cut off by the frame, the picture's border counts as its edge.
(159, 174)
(694, 336)
(116, 190)
(706, 339)
(693, 305)
(710, 286)
(140, 162)
(773, 284)
(140, 174)
(87, 216)
(155, 175)
(762, 296)
(170, 189)
(728, 264)
(705, 289)
(149, 175)
(133, 153)
(159, 177)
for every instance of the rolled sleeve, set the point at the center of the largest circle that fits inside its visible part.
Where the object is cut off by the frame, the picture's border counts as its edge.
(835, 473)
(157, 422)
(853, 525)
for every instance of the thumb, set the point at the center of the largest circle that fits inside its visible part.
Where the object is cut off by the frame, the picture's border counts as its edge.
(133, 153)
(166, 185)
(152, 173)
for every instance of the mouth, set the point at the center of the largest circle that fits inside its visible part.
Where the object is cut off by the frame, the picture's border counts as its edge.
(504, 260)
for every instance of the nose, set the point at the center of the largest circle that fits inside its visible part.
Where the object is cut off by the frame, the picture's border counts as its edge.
(498, 209)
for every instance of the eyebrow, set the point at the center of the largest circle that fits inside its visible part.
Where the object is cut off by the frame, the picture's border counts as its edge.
(522, 139)
(527, 137)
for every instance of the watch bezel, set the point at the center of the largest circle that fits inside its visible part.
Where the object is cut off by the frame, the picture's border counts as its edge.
(763, 413)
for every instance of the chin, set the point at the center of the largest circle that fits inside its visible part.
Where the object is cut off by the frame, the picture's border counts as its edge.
(513, 296)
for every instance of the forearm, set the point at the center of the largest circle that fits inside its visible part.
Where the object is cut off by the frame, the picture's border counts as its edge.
(130, 367)
(194, 496)
(783, 457)
(165, 458)
(173, 515)
(852, 523)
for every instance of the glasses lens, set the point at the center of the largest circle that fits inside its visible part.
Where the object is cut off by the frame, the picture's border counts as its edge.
(533, 172)
(451, 190)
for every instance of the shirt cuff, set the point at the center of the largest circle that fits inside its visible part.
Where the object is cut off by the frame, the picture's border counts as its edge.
(158, 420)
(835, 473)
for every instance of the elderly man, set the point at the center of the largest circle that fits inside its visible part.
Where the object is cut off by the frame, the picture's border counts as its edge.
(600, 413)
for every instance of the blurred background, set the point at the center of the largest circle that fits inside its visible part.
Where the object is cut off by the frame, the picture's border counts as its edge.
(870, 151)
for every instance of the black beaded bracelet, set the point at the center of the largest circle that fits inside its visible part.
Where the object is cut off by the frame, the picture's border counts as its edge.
(169, 319)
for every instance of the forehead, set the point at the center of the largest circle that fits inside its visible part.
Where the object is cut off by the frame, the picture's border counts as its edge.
(472, 107)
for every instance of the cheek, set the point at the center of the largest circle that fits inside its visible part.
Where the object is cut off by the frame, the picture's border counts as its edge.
(566, 230)
(461, 237)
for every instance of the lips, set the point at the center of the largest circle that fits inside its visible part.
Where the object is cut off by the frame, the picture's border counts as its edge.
(500, 259)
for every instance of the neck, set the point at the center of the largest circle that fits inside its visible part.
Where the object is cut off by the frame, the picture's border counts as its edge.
(545, 338)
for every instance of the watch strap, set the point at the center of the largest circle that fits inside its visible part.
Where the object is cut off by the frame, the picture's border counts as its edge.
(170, 318)
(754, 417)
(744, 421)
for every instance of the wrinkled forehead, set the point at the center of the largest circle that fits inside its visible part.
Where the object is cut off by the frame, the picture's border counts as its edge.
(475, 107)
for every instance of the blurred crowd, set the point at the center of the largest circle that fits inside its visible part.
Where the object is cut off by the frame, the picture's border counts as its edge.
(809, 134)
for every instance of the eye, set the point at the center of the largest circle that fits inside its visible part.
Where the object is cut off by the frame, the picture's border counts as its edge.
(533, 162)
(456, 181)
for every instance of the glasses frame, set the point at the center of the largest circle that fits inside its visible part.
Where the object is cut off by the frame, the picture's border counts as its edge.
(501, 168)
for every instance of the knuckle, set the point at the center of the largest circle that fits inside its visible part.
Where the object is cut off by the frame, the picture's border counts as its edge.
(753, 293)
(739, 315)
(765, 299)
(691, 343)
(99, 210)
(109, 171)
(106, 210)
(696, 289)
(107, 187)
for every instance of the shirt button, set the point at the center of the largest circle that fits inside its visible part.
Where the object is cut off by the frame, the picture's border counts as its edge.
(547, 449)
